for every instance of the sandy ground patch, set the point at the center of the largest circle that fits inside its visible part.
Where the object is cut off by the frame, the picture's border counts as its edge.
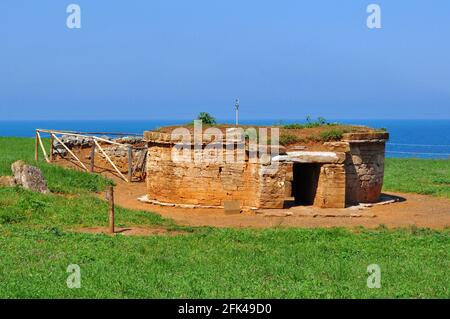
(418, 210)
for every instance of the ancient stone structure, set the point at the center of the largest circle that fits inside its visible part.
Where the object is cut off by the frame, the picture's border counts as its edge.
(342, 173)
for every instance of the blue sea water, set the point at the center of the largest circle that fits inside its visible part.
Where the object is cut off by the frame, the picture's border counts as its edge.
(408, 138)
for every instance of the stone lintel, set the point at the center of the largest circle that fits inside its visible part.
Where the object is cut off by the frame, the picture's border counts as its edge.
(311, 157)
(365, 136)
(366, 141)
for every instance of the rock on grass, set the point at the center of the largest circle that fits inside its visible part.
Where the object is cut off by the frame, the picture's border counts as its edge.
(29, 177)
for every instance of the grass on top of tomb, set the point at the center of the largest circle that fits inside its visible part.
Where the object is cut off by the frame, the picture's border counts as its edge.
(37, 246)
(288, 134)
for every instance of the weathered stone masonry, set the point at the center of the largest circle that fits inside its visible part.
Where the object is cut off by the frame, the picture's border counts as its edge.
(348, 172)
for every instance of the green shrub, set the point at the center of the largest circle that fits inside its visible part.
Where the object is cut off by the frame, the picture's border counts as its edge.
(331, 135)
(309, 123)
(206, 118)
(294, 126)
(287, 139)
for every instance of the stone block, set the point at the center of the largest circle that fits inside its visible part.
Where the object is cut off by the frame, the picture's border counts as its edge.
(232, 207)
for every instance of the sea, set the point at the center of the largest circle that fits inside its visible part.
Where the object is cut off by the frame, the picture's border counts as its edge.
(408, 138)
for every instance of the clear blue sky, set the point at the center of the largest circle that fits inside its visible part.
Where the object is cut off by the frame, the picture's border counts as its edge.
(166, 59)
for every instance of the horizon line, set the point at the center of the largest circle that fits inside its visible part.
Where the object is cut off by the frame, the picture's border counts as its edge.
(227, 119)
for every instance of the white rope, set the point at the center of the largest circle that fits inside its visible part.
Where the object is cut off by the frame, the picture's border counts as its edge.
(440, 154)
(424, 145)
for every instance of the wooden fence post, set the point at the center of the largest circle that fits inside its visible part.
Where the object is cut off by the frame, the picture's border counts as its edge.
(130, 164)
(36, 147)
(51, 147)
(42, 147)
(92, 157)
(110, 199)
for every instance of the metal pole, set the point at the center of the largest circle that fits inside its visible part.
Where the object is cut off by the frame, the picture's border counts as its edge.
(236, 106)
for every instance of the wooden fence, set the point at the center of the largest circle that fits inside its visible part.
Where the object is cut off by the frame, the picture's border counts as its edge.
(95, 144)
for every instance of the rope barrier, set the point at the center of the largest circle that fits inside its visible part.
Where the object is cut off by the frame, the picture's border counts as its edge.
(423, 145)
(418, 153)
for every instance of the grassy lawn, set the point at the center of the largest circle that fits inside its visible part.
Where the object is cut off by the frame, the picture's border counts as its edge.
(59, 180)
(428, 177)
(36, 246)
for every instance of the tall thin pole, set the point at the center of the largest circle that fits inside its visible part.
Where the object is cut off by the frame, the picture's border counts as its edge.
(236, 106)
(36, 147)
(51, 146)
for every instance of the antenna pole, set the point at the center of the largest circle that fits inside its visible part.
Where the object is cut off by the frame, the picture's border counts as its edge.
(236, 106)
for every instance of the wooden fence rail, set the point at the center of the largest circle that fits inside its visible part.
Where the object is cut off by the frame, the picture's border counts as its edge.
(94, 140)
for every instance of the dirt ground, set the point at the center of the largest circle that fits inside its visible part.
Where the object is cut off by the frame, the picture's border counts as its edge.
(411, 210)
(418, 210)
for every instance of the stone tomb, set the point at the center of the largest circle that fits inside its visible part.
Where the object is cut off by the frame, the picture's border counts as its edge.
(347, 172)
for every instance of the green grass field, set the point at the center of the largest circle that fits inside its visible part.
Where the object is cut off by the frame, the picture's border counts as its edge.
(36, 247)
(428, 177)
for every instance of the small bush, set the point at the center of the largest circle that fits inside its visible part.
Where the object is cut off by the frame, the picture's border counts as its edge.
(287, 139)
(294, 126)
(309, 123)
(206, 118)
(331, 135)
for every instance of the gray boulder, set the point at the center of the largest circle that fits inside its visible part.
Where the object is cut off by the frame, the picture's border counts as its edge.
(29, 177)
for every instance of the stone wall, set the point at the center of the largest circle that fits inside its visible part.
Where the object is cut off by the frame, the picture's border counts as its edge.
(364, 167)
(331, 188)
(210, 183)
(354, 174)
(81, 147)
(119, 156)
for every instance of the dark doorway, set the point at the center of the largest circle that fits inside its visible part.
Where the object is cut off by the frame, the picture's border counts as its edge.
(305, 182)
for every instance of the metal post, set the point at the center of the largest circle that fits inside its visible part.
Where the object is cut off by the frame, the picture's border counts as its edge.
(236, 106)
